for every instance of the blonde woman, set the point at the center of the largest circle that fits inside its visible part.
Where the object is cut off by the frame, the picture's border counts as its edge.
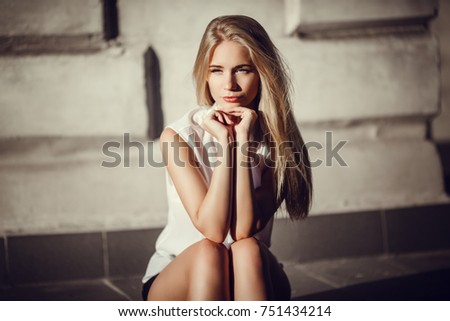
(231, 162)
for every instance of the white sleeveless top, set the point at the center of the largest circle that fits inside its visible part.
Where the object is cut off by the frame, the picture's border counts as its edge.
(180, 232)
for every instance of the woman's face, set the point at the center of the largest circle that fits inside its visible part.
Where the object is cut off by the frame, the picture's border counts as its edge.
(232, 77)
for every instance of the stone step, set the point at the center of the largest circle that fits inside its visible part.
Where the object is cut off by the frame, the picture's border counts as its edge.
(418, 276)
(115, 254)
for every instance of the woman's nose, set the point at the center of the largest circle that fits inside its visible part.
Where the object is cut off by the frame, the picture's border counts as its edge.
(230, 82)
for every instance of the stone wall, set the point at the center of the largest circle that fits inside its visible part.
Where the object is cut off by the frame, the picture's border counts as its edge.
(441, 29)
(76, 75)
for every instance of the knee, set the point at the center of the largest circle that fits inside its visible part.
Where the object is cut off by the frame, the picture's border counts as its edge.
(210, 257)
(246, 246)
(247, 251)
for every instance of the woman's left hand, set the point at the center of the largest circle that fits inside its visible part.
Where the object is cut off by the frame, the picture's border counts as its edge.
(245, 119)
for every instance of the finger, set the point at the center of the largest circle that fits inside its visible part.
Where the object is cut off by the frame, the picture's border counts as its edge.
(228, 119)
(245, 113)
(219, 117)
(209, 115)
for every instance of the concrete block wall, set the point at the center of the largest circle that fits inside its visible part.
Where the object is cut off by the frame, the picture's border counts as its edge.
(369, 72)
(80, 95)
(47, 17)
(441, 28)
(174, 31)
(322, 16)
(368, 78)
(375, 88)
(44, 26)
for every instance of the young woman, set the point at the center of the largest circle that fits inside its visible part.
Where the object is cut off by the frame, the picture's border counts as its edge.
(230, 163)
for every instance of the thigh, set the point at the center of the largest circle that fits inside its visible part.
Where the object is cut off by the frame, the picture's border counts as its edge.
(173, 281)
(146, 287)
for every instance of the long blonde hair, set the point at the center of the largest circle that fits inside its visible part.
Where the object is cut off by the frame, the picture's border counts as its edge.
(290, 157)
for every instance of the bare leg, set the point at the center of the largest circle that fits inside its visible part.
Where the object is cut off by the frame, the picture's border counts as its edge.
(257, 274)
(201, 272)
(248, 270)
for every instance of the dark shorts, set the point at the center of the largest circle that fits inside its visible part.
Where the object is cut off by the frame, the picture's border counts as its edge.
(146, 287)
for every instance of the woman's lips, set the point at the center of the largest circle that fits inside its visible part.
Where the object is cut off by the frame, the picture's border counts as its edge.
(231, 99)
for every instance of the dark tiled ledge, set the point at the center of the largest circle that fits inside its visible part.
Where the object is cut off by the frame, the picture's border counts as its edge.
(80, 290)
(418, 276)
(414, 276)
(120, 254)
(55, 257)
(328, 236)
(393, 231)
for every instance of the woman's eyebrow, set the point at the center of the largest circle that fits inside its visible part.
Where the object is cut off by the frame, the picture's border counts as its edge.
(235, 67)
(244, 65)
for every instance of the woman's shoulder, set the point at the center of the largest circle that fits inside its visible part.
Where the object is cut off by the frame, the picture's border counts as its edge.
(192, 118)
(167, 135)
(188, 126)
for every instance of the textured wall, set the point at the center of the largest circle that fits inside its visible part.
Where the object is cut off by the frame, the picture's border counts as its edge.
(441, 28)
(370, 76)
(47, 17)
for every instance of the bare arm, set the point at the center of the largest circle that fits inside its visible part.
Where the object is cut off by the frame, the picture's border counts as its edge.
(253, 207)
(208, 207)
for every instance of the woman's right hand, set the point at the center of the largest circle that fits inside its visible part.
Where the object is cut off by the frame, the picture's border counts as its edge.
(219, 125)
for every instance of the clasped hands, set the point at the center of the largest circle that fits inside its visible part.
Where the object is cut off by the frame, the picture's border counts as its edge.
(230, 123)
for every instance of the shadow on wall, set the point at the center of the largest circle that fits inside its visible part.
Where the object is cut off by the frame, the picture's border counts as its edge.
(110, 19)
(444, 153)
(153, 94)
(152, 71)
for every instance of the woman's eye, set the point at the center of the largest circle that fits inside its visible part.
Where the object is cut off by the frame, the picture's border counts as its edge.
(214, 71)
(244, 70)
